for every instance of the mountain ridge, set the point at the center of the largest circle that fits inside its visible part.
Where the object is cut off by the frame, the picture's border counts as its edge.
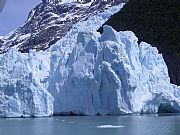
(49, 22)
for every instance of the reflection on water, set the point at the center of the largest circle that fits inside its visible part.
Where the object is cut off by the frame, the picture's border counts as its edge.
(99, 125)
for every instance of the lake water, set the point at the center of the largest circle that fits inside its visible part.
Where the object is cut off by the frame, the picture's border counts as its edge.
(99, 125)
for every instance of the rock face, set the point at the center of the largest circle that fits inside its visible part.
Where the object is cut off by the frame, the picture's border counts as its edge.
(50, 21)
(156, 22)
(98, 74)
(1, 41)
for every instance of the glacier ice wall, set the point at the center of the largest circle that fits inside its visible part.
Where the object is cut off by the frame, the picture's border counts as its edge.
(95, 74)
(22, 93)
(110, 74)
(25, 77)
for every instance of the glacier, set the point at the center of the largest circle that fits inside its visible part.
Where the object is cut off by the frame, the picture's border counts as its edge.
(25, 77)
(21, 94)
(92, 74)
(87, 73)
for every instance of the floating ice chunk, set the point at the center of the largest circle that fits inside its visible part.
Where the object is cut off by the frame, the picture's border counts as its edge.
(110, 126)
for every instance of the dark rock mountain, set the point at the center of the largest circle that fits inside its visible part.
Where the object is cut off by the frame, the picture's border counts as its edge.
(50, 21)
(1, 41)
(156, 22)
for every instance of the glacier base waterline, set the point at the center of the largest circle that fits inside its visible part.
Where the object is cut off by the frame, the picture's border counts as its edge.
(98, 74)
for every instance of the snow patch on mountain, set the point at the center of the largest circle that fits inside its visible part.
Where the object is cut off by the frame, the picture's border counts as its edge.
(92, 24)
(50, 21)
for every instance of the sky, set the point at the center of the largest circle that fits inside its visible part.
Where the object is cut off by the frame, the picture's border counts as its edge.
(15, 14)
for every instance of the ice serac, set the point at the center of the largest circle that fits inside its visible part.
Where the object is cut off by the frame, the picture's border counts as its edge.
(21, 93)
(110, 74)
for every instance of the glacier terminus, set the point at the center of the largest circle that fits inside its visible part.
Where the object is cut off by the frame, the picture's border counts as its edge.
(86, 73)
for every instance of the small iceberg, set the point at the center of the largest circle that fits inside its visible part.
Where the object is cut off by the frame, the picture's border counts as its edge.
(109, 126)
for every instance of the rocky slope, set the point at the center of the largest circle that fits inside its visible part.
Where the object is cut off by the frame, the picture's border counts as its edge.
(1, 40)
(156, 22)
(50, 21)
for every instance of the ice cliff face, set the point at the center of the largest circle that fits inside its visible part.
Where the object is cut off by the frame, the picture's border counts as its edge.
(111, 74)
(24, 77)
(83, 72)
(21, 93)
(97, 74)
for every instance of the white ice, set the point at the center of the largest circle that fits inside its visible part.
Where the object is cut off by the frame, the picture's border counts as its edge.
(110, 126)
(87, 73)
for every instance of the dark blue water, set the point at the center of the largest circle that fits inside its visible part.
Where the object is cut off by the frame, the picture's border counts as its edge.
(102, 125)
